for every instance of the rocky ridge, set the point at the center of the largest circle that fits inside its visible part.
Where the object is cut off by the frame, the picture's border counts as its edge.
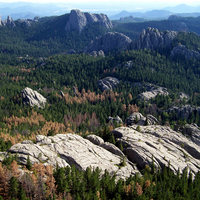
(109, 42)
(78, 20)
(33, 98)
(68, 149)
(160, 144)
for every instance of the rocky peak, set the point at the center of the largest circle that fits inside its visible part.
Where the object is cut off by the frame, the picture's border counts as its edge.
(108, 42)
(8, 21)
(154, 39)
(78, 20)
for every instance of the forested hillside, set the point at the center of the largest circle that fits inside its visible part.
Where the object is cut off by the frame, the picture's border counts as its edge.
(36, 57)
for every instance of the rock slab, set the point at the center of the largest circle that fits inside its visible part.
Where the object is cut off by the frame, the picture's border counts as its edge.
(68, 149)
(161, 144)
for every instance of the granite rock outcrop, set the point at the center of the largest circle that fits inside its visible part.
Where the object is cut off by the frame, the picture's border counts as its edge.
(107, 83)
(154, 39)
(8, 21)
(139, 119)
(159, 144)
(181, 50)
(71, 149)
(33, 98)
(152, 91)
(184, 111)
(78, 20)
(109, 42)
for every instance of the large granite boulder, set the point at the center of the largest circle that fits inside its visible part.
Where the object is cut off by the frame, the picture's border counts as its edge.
(161, 144)
(71, 149)
(107, 83)
(33, 98)
(139, 119)
(108, 42)
(78, 20)
(154, 39)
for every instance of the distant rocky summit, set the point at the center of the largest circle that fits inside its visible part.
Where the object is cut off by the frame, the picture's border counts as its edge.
(71, 149)
(33, 98)
(159, 144)
(78, 20)
(154, 39)
(107, 83)
(181, 50)
(8, 21)
(28, 22)
(108, 42)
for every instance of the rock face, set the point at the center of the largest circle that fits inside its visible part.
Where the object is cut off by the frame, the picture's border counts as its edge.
(184, 111)
(181, 50)
(161, 144)
(8, 21)
(192, 131)
(108, 42)
(78, 20)
(107, 83)
(33, 98)
(69, 149)
(139, 119)
(153, 39)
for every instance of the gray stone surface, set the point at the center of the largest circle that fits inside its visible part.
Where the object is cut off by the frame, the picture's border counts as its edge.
(160, 143)
(33, 98)
(107, 83)
(153, 92)
(183, 51)
(154, 39)
(183, 95)
(68, 149)
(112, 148)
(193, 132)
(108, 42)
(97, 53)
(116, 119)
(78, 20)
(139, 119)
(184, 111)
(8, 21)
(95, 139)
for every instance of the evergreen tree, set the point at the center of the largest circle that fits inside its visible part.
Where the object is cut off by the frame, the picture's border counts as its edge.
(28, 163)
